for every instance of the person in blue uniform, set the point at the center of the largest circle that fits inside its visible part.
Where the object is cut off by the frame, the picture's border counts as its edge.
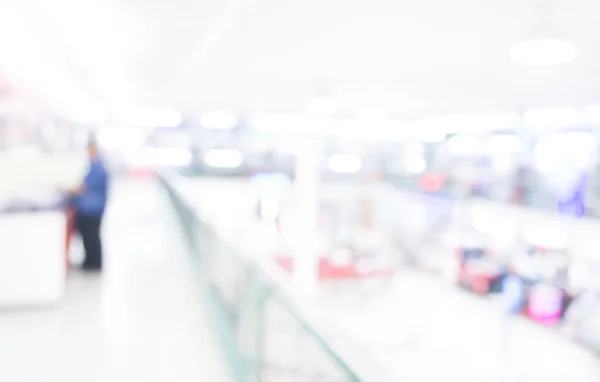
(90, 203)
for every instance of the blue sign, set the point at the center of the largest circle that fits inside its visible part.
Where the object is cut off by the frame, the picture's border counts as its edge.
(574, 203)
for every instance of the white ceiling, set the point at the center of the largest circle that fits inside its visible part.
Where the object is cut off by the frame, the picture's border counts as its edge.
(409, 58)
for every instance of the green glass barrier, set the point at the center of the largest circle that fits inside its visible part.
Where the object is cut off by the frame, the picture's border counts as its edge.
(266, 335)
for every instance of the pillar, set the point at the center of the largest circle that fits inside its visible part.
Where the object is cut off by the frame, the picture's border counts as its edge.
(306, 207)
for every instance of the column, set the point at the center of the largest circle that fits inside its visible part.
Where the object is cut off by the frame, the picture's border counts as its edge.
(306, 206)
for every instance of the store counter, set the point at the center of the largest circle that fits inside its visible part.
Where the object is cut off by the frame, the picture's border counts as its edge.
(33, 264)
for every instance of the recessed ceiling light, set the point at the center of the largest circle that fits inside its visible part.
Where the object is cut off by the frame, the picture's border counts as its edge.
(223, 158)
(544, 43)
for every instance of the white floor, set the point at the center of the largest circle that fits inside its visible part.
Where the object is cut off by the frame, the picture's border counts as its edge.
(423, 330)
(141, 320)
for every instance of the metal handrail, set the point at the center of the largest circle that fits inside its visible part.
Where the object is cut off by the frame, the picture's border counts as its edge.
(355, 367)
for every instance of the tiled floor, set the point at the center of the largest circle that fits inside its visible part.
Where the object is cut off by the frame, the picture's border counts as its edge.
(141, 320)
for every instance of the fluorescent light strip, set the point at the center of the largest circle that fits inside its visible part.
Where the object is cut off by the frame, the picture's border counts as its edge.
(223, 158)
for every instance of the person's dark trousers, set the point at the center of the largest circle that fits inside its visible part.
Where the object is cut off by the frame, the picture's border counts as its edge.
(88, 227)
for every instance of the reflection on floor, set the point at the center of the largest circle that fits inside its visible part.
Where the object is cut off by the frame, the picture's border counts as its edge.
(140, 320)
(425, 330)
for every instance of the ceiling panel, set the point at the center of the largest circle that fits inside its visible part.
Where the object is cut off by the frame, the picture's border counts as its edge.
(450, 56)
(410, 58)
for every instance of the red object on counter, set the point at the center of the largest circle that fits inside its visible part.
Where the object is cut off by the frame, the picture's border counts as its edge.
(329, 271)
(432, 182)
(479, 283)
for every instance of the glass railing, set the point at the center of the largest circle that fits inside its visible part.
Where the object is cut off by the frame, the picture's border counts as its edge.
(267, 334)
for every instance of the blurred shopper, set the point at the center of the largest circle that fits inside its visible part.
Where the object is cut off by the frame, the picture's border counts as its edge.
(90, 203)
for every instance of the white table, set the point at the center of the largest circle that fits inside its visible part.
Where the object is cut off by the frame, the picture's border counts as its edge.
(32, 258)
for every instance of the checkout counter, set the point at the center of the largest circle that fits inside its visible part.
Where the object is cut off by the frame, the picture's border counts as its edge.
(35, 226)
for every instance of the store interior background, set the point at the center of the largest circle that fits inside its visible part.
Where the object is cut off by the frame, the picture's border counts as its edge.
(382, 140)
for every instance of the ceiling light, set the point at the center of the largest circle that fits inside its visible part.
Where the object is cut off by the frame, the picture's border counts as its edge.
(345, 163)
(218, 120)
(543, 43)
(223, 158)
